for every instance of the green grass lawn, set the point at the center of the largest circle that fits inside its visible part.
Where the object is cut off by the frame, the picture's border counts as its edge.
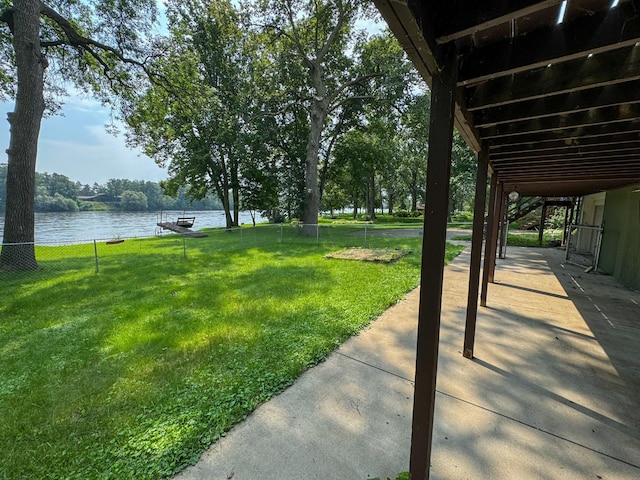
(134, 371)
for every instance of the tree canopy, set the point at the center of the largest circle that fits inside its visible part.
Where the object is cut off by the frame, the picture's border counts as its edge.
(97, 46)
(194, 123)
(285, 107)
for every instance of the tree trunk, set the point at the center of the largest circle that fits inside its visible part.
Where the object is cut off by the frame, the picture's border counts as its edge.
(236, 194)
(226, 200)
(318, 116)
(19, 228)
(451, 207)
(226, 204)
(371, 197)
(414, 192)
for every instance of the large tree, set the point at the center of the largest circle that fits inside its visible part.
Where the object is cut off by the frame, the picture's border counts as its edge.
(97, 46)
(463, 173)
(415, 147)
(321, 37)
(196, 123)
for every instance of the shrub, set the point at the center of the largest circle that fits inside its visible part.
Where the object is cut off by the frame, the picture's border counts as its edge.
(462, 216)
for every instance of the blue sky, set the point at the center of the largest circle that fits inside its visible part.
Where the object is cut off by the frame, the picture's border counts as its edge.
(77, 145)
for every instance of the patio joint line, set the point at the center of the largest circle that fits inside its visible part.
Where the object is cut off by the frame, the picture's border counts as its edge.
(412, 382)
(539, 429)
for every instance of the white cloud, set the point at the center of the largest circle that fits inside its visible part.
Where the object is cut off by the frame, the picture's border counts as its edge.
(84, 104)
(97, 158)
(77, 145)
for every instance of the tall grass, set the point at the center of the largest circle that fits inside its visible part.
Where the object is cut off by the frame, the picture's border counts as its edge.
(134, 371)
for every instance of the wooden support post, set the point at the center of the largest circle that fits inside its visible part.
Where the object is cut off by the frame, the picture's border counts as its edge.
(433, 255)
(487, 244)
(504, 219)
(476, 252)
(543, 217)
(565, 225)
(494, 234)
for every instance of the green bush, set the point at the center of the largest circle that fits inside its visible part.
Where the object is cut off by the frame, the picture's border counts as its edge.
(462, 216)
(556, 220)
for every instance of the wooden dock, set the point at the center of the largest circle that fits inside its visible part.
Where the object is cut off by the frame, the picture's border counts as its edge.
(174, 227)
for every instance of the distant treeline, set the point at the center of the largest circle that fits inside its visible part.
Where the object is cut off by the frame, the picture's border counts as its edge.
(57, 193)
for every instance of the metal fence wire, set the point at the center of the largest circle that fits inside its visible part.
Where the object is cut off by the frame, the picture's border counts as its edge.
(583, 245)
(98, 255)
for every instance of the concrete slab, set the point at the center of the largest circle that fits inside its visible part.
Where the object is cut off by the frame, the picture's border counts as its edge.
(553, 392)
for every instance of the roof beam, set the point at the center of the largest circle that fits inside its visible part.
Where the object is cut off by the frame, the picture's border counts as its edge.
(473, 16)
(577, 167)
(560, 104)
(549, 145)
(402, 22)
(564, 177)
(599, 116)
(610, 68)
(567, 189)
(576, 133)
(600, 32)
(577, 153)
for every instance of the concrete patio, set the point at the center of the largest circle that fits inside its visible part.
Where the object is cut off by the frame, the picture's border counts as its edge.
(553, 393)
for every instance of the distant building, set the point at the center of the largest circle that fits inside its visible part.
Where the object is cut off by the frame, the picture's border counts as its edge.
(100, 197)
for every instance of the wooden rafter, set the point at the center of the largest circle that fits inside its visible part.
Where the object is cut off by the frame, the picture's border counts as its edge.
(589, 34)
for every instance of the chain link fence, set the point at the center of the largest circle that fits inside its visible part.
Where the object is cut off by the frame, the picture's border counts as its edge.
(49, 259)
(583, 245)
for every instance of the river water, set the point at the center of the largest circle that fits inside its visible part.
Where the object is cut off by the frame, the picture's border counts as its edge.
(74, 227)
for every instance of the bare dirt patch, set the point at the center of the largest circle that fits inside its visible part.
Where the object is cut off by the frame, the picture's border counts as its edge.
(381, 255)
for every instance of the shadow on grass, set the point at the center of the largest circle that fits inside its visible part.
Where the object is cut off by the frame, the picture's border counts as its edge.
(132, 372)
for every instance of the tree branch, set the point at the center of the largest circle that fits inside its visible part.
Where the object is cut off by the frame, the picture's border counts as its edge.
(294, 36)
(76, 40)
(334, 33)
(283, 110)
(92, 47)
(346, 85)
(7, 17)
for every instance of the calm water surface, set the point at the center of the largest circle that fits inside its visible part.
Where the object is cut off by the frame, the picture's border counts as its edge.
(88, 226)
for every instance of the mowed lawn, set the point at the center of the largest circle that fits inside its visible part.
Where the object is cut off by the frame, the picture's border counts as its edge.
(134, 371)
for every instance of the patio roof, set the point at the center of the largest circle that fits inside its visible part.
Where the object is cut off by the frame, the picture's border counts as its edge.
(547, 93)
(551, 88)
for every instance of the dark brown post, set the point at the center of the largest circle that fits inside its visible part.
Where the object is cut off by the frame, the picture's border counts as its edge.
(494, 235)
(565, 225)
(504, 225)
(487, 244)
(476, 252)
(543, 217)
(433, 254)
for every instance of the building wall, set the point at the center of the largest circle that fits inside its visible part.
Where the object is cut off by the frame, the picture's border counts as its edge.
(620, 252)
(592, 206)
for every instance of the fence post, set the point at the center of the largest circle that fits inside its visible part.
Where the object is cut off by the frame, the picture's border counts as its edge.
(281, 232)
(95, 252)
(184, 247)
(365, 235)
(596, 254)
